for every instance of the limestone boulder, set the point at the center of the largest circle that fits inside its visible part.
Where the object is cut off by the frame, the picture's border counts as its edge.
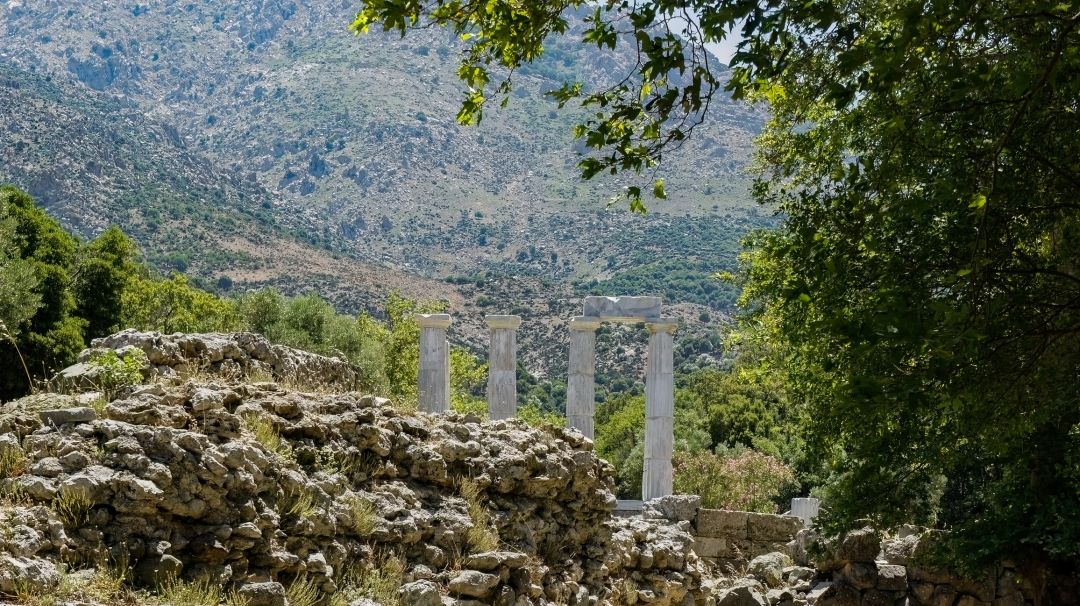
(676, 507)
(420, 593)
(769, 568)
(269, 593)
(473, 583)
(861, 545)
(742, 595)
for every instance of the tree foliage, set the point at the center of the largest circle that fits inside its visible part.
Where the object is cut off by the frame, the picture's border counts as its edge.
(924, 287)
(926, 276)
(102, 272)
(51, 336)
(18, 282)
(171, 305)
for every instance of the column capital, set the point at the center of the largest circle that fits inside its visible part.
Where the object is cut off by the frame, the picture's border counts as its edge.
(584, 323)
(496, 321)
(668, 325)
(433, 320)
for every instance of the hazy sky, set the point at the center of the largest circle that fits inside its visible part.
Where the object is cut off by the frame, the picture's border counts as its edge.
(724, 50)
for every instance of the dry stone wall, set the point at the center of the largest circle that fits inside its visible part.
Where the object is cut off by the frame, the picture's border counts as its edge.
(230, 355)
(867, 569)
(735, 537)
(175, 479)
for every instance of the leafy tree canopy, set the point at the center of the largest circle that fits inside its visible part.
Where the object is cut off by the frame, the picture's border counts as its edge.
(925, 283)
(43, 333)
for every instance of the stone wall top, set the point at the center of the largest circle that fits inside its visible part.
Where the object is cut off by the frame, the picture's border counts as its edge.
(622, 309)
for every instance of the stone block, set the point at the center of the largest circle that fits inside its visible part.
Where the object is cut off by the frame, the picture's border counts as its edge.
(764, 527)
(891, 577)
(862, 545)
(623, 309)
(861, 575)
(756, 548)
(898, 550)
(674, 507)
(712, 547)
(67, 415)
(722, 523)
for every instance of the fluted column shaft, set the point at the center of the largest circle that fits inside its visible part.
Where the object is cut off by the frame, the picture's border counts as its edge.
(581, 375)
(502, 367)
(434, 393)
(657, 479)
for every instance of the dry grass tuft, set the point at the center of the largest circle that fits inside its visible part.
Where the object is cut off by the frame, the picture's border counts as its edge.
(364, 516)
(199, 592)
(303, 592)
(378, 580)
(13, 462)
(72, 507)
(481, 535)
(266, 434)
(299, 503)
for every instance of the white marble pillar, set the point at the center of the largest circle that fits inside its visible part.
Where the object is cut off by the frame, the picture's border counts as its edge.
(658, 478)
(502, 367)
(806, 508)
(434, 362)
(581, 374)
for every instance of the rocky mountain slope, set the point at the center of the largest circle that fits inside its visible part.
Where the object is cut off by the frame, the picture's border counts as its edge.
(347, 142)
(260, 141)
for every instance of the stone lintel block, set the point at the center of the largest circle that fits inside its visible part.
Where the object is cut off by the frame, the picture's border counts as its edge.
(496, 321)
(721, 523)
(433, 320)
(625, 309)
(765, 527)
(585, 323)
(668, 325)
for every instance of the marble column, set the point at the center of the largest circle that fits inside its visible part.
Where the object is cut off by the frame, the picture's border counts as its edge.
(581, 374)
(434, 362)
(658, 477)
(502, 367)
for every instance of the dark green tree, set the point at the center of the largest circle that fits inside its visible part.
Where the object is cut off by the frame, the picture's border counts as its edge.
(18, 298)
(104, 269)
(52, 337)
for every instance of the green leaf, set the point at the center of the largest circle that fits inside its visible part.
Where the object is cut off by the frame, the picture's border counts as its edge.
(658, 189)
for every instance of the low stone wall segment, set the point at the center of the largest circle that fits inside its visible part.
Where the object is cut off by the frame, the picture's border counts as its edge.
(230, 355)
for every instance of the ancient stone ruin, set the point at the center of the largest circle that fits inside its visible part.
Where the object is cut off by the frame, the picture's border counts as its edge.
(434, 375)
(214, 472)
